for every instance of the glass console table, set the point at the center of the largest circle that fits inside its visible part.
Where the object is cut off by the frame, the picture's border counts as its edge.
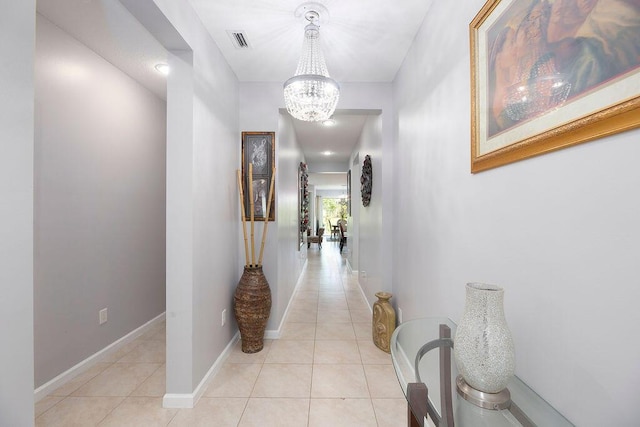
(432, 392)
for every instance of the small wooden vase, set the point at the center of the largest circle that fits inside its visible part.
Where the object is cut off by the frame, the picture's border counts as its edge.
(384, 321)
(252, 306)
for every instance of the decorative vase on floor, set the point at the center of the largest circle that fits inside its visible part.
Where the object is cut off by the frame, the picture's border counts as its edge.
(384, 321)
(252, 305)
(483, 348)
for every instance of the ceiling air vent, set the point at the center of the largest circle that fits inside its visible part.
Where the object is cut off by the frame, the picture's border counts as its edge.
(239, 39)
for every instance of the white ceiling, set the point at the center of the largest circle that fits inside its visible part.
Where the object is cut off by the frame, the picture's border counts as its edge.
(338, 139)
(362, 40)
(108, 28)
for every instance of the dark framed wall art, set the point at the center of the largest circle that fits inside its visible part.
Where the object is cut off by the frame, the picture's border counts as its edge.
(303, 202)
(258, 148)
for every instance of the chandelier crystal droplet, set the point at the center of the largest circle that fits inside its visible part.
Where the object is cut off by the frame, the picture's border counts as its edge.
(311, 95)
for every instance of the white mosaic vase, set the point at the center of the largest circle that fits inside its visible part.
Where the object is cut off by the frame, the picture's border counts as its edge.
(483, 346)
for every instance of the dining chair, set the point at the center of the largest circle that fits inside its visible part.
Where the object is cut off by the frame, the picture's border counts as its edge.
(343, 236)
(315, 239)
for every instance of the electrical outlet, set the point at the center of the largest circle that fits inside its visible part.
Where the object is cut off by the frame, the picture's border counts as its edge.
(399, 315)
(364, 274)
(224, 317)
(102, 316)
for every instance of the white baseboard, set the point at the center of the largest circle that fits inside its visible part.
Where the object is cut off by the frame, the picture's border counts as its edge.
(275, 334)
(352, 271)
(45, 389)
(365, 297)
(189, 400)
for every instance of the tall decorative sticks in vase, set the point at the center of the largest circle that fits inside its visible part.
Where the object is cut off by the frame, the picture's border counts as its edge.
(252, 298)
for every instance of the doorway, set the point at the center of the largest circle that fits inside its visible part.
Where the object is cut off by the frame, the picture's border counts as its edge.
(334, 209)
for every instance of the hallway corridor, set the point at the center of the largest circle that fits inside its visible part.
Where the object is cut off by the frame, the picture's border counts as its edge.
(323, 371)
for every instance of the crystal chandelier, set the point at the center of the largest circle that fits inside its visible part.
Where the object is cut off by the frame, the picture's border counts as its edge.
(311, 95)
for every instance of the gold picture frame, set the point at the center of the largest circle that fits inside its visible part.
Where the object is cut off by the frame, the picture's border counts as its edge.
(568, 84)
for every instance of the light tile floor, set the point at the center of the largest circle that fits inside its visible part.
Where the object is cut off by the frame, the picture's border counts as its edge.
(323, 371)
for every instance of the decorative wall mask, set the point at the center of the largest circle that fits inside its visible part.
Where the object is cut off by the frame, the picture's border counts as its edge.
(366, 181)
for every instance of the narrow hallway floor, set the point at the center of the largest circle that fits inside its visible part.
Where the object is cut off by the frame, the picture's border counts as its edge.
(323, 371)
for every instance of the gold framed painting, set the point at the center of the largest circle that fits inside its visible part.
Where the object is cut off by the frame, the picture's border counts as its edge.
(548, 74)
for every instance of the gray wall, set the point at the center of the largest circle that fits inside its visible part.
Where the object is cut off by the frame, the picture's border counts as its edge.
(99, 203)
(260, 105)
(559, 232)
(203, 216)
(17, 42)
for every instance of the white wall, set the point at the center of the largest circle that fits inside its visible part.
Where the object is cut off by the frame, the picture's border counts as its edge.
(331, 194)
(377, 140)
(367, 236)
(290, 259)
(319, 167)
(353, 221)
(99, 203)
(17, 42)
(329, 179)
(559, 232)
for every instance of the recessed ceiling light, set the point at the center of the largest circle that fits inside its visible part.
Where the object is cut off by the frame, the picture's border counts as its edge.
(328, 122)
(162, 69)
(327, 153)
